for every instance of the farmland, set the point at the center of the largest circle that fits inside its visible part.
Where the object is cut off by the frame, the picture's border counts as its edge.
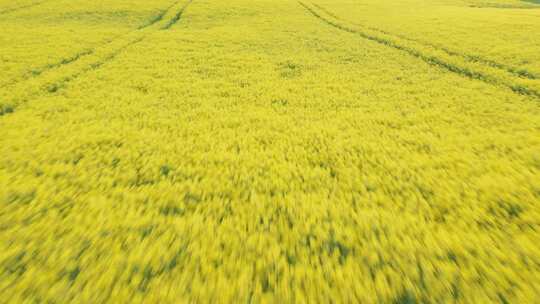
(270, 151)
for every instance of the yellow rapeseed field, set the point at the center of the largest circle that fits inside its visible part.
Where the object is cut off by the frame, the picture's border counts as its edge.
(270, 151)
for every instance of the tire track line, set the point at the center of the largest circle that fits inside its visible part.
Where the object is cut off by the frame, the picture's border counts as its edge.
(61, 83)
(520, 86)
(35, 72)
(18, 8)
(473, 58)
(53, 80)
(176, 17)
(159, 17)
(89, 51)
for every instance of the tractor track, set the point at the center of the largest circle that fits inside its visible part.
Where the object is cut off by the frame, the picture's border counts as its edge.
(472, 58)
(22, 7)
(176, 17)
(59, 75)
(489, 78)
(61, 83)
(89, 51)
(159, 17)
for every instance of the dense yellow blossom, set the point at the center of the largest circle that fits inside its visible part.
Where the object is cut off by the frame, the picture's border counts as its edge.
(270, 151)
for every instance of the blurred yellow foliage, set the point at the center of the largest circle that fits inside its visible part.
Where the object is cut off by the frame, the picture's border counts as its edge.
(270, 151)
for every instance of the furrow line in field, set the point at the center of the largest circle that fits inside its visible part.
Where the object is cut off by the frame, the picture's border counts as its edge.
(159, 17)
(176, 17)
(61, 83)
(53, 80)
(65, 61)
(490, 75)
(38, 71)
(18, 8)
(473, 58)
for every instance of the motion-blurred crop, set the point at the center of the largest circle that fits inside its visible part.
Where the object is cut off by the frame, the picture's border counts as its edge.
(349, 151)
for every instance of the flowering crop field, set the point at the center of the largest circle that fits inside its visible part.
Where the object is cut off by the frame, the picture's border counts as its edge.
(280, 151)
